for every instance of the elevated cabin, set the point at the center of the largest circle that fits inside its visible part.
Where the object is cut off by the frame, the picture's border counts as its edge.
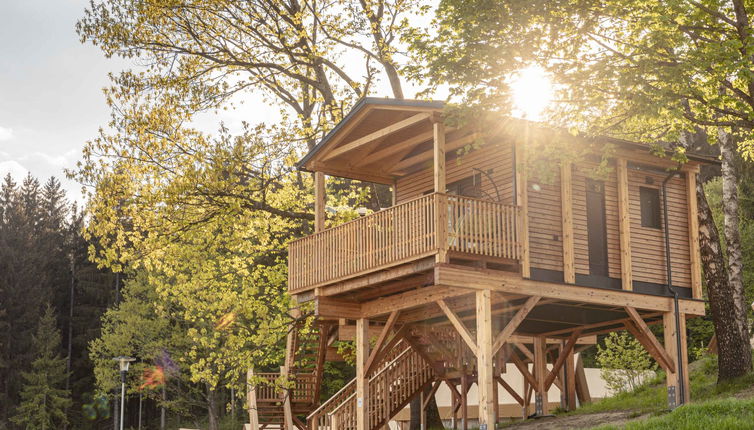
(486, 258)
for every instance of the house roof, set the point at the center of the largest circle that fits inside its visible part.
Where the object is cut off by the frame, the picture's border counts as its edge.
(381, 139)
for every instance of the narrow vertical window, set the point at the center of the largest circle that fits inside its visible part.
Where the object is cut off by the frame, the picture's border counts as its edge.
(650, 207)
(597, 228)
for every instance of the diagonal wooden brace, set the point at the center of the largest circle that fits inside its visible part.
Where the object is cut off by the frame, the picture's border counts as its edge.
(644, 335)
(460, 326)
(513, 324)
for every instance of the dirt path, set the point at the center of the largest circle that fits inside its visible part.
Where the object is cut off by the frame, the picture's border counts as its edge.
(578, 421)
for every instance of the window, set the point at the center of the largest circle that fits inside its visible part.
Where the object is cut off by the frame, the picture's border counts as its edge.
(467, 187)
(650, 207)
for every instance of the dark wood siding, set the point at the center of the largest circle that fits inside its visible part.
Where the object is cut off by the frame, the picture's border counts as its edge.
(496, 156)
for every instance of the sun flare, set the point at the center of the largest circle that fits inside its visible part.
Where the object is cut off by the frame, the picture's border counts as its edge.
(532, 91)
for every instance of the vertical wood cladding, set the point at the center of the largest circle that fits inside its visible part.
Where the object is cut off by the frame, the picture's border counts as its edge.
(580, 244)
(545, 226)
(647, 243)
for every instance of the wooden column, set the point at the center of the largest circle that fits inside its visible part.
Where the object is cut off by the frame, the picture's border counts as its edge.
(319, 201)
(441, 211)
(566, 199)
(439, 155)
(693, 223)
(570, 376)
(252, 400)
(362, 382)
(522, 201)
(485, 359)
(464, 399)
(540, 372)
(668, 323)
(624, 224)
(290, 351)
(287, 408)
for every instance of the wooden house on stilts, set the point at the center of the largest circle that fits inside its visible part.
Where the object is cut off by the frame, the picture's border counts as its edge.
(479, 263)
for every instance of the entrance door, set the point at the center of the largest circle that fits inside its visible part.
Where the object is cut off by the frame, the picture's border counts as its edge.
(596, 229)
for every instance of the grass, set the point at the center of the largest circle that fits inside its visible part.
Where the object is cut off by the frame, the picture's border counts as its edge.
(651, 397)
(725, 414)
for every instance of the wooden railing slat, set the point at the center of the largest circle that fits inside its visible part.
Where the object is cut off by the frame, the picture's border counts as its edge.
(403, 232)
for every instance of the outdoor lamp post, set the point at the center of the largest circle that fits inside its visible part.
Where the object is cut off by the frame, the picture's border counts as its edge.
(123, 363)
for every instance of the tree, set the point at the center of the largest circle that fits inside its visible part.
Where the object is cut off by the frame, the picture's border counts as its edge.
(642, 70)
(208, 214)
(43, 400)
(624, 363)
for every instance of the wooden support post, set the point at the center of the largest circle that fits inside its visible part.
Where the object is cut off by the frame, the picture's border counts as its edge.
(422, 411)
(582, 387)
(570, 381)
(693, 225)
(362, 382)
(464, 400)
(485, 359)
(454, 403)
(251, 395)
(522, 201)
(566, 198)
(624, 221)
(287, 393)
(439, 155)
(319, 201)
(540, 373)
(668, 322)
(441, 211)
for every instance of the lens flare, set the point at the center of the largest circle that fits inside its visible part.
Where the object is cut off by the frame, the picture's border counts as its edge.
(152, 378)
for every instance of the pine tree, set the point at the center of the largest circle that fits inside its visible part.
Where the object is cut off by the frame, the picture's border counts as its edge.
(43, 402)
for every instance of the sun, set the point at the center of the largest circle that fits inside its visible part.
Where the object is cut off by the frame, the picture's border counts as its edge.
(532, 91)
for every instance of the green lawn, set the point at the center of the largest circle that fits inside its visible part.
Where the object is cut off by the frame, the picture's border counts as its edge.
(725, 414)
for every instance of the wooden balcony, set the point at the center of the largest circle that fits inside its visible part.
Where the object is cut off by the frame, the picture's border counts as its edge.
(403, 233)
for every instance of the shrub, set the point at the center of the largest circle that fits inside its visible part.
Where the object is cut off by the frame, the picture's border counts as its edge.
(624, 362)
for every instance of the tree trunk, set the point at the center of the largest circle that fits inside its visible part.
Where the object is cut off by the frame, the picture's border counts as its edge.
(740, 346)
(213, 409)
(734, 358)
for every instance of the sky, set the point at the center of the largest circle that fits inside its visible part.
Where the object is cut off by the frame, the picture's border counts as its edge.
(51, 101)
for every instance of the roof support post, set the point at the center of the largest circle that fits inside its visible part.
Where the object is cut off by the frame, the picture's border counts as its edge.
(624, 218)
(319, 201)
(441, 211)
(522, 201)
(693, 223)
(439, 154)
(566, 197)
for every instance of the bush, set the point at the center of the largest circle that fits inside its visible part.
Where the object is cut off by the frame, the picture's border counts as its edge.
(624, 362)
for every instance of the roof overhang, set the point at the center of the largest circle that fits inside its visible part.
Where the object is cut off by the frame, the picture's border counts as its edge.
(382, 139)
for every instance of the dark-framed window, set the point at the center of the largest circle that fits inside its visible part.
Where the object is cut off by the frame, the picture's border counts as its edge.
(470, 186)
(649, 199)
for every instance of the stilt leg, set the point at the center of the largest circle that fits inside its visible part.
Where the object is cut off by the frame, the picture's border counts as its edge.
(485, 381)
(362, 387)
(540, 368)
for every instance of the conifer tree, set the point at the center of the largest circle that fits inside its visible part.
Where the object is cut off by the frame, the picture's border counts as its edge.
(43, 401)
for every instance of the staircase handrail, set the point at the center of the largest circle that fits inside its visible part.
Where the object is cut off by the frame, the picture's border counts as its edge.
(349, 385)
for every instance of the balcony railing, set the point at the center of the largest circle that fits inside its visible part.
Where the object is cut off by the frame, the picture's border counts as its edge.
(404, 233)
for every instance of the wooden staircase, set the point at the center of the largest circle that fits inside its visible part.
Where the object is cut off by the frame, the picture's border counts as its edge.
(306, 349)
(400, 376)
